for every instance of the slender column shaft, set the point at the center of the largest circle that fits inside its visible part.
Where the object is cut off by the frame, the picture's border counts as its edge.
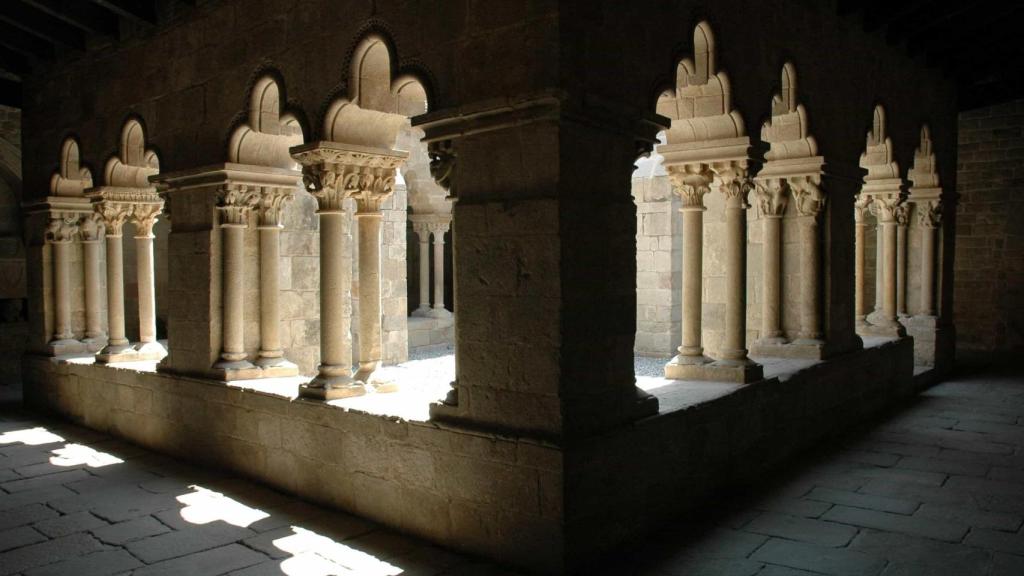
(734, 343)
(693, 278)
(879, 266)
(424, 237)
(928, 270)
(270, 310)
(901, 269)
(335, 307)
(233, 295)
(888, 273)
(62, 291)
(147, 289)
(115, 291)
(810, 307)
(439, 269)
(369, 292)
(859, 259)
(771, 305)
(93, 305)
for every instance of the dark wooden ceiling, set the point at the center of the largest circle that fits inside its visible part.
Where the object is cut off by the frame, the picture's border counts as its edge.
(976, 42)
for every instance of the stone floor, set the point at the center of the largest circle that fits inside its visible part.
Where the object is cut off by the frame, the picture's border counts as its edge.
(935, 488)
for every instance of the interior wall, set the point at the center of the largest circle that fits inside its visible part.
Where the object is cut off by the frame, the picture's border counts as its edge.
(989, 266)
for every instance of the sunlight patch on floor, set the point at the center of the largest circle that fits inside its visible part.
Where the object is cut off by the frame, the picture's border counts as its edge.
(30, 437)
(78, 454)
(204, 506)
(316, 555)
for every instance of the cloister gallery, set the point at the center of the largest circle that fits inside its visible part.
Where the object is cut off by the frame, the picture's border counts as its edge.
(470, 280)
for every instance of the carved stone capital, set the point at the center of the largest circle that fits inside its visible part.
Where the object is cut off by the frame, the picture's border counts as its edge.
(271, 206)
(901, 214)
(736, 184)
(861, 205)
(438, 229)
(884, 207)
(772, 196)
(236, 202)
(144, 216)
(691, 182)
(91, 227)
(62, 228)
(442, 166)
(810, 200)
(930, 214)
(333, 172)
(114, 215)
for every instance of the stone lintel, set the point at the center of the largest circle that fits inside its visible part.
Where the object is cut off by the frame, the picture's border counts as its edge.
(74, 204)
(883, 187)
(712, 152)
(924, 194)
(328, 153)
(242, 174)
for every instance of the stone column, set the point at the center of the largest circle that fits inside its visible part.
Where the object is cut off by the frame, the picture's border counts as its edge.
(271, 356)
(810, 202)
(118, 348)
(902, 215)
(736, 185)
(886, 324)
(772, 197)
(860, 209)
(930, 219)
(438, 229)
(879, 265)
(91, 231)
(144, 216)
(369, 219)
(60, 233)
(423, 232)
(236, 202)
(691, 183)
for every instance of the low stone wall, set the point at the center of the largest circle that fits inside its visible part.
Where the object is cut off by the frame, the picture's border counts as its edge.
(547, 508)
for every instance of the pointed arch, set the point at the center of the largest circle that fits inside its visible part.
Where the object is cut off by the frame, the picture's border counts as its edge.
(71, 177)
(878, 151)
(923, 174)
(269, 130)
(788, 132)
(134, 163)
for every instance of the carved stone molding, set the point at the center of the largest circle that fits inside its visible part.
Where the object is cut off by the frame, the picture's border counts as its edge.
(930, 214)
(861, 205)
(691, 182)
(271, 206)
(772, 197)
(884, 207)
(443, 159)
(91, 227)
(810, 200)
(901, 214)
(236, 202)
(62, 228)
(114, 215)
(333, 172)
(736, 184)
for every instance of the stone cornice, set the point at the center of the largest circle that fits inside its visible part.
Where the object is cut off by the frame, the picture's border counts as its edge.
(712, 152)
(124, 194)
(77, 204)
(247, 174)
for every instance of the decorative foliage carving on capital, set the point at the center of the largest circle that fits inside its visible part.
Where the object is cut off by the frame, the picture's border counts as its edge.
(930, 214)
(861, 205)
(810, 200)
(114, 215)
(736, 185)
(691, 182)
(91, 227)
(235, 203)
(422, 229)
(442, 166)
(271, 207)
(62, 228)
(772, 197)
(144, 216)
(901, 214)
(884, 207)
(334, 174)
(438, 229)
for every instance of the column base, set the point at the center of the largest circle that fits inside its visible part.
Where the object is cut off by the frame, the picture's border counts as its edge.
(774, 346)
(276, 367)
(439, 313)
(331, 388)
(95, 344)
(146, 351)
(801, 348)
(422, 312)
(66, 346)
(738, 371)
(887, 330)
(114, 353)
(229, 371)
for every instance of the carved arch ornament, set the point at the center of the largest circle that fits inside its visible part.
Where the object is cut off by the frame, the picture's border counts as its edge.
(268, 133)
(71, 178)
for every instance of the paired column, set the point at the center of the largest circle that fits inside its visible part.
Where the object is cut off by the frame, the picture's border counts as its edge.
(118, 348)
(91, 232)
(930, 215)
(236, 203)
(810, 202)
(423, 233)
(736, 185)
(772, 197)
(885, 208)
(438, 229)
(369, 219)
(691, 183)
(902, 215)
(60, 233)
(144, 216)
(271, 356)
(861, 207)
